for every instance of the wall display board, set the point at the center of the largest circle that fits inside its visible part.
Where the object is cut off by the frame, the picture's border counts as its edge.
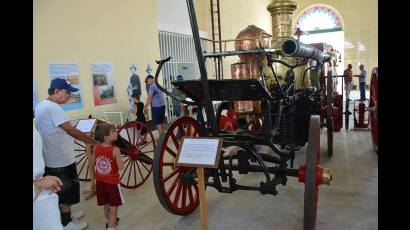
(103, 83)
(35, 97)
(70, 73)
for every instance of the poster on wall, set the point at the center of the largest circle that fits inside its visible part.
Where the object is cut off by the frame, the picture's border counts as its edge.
(70, 73)
(103, 83)
(35, 98)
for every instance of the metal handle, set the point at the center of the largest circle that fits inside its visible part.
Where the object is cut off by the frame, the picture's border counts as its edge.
(161, 63)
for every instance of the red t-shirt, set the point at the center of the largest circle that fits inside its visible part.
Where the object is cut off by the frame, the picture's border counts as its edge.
(106, 169)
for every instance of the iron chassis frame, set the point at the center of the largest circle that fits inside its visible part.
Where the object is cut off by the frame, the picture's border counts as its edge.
(247, 140)
(244, 139)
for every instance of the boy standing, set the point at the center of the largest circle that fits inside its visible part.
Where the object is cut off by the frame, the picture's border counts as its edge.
(108, 162)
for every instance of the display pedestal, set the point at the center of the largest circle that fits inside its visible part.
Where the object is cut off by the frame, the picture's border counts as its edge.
(90, 193)
(200, 152)
(202, 204)
(89, 149)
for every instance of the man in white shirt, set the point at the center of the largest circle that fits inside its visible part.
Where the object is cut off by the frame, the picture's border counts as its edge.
(46, 215)
(55, 129)
(362, 82)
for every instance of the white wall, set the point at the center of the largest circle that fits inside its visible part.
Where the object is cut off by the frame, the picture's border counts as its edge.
(336, 40)
(173, 16)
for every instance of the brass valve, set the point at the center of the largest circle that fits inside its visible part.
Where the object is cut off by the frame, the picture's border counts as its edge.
(327, 176)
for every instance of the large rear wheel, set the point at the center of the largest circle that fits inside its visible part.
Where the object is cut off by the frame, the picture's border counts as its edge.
(312, 174)
(329, 113)
(311, 187)
(373, 108)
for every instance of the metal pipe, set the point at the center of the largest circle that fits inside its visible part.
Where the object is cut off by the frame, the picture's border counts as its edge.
(201, 62)
(273, 170)
(237, 52)
(294, 48)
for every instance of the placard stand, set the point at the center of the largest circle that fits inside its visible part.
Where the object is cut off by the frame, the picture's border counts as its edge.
(90, 193)
(202, 204)
(200, 152)
(89, 149)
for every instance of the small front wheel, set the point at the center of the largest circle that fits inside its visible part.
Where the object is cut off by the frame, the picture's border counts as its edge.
(175, 196)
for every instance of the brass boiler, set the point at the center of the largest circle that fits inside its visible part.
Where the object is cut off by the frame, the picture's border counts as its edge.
(248, 67)
(282, 13)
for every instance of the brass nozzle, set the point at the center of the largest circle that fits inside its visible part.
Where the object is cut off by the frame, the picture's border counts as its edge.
(327, 176)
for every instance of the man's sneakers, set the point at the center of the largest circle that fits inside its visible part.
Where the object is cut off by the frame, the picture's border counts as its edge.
(77, 215)
(76, 225)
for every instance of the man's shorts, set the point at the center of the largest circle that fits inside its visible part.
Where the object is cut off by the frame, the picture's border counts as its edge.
(70, 191)
(110, 194)
(158, 115)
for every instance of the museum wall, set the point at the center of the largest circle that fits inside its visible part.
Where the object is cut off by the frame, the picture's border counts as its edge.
(237, 15)
(173, 16)
(360, 20)
(83, 32)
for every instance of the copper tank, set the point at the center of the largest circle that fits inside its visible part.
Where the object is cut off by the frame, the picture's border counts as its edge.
(240, 70)
(249, 38)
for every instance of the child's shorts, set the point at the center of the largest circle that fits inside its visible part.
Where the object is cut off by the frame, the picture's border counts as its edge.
(110, 194)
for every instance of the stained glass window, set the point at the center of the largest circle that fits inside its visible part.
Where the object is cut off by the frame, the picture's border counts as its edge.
(319, 18)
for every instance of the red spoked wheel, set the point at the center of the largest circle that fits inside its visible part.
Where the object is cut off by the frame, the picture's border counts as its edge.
(137, 144)
(373, 108)
(308, 174)
(175, 196)
(81, 161)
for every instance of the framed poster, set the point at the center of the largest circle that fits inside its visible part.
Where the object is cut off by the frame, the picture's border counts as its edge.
(70, 73)
(103, 83)
(35, 97)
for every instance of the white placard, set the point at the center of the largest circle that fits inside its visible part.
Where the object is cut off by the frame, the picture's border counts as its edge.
(86, 126)
(201, 151)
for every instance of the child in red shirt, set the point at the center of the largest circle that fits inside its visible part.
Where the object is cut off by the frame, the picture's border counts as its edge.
(107, 163)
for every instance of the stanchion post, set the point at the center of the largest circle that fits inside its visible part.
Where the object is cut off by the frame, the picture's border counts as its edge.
(202, 202)
(90, 157)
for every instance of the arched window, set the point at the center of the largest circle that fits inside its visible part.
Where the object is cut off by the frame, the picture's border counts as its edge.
(319, 19)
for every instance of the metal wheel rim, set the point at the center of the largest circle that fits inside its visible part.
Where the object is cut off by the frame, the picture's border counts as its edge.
(189, 194)
(373, 114)
(139, 157)
(82, 162)
(311, 187)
